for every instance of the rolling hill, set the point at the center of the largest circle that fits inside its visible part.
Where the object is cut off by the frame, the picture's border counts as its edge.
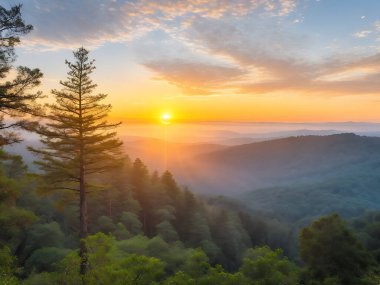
(286, 162)
(298, 179)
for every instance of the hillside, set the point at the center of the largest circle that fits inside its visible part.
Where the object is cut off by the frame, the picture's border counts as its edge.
(300, 204)
(287, 162)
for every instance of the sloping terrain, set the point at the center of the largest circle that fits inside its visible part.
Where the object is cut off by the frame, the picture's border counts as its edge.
(287, 162)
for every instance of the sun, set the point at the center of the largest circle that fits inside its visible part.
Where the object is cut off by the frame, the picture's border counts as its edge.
(166, 118)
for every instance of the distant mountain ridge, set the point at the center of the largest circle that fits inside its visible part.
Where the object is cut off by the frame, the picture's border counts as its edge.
(298, 179)
(299, 204)
(281, 162)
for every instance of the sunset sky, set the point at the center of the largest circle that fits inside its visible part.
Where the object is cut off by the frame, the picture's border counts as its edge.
(243, 60)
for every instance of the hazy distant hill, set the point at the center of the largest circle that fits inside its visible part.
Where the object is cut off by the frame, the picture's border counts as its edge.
(230, 170)
(298, 179)
(282, 162)
(300, 204)
(236, 138)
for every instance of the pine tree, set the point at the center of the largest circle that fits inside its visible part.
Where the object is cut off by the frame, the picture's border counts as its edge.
(77, 139)
(16, 98)
(171, 186)
(139, 182)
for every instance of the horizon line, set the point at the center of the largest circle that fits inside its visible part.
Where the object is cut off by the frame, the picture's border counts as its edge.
(144, 121)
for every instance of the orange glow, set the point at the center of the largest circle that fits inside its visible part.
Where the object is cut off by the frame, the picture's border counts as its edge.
(141, 99)
(146, 100)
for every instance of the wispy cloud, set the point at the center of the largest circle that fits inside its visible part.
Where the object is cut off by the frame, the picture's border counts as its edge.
(64, 24)
(195, 78)
(339, 76)
(362, 34)
(261, 48)
(371, 31)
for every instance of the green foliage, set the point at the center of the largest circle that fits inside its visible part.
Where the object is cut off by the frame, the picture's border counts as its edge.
(105, 224)
(196, 264)
(45, 235)
(68, 269)
(100, 248)
(7, 267)
(139, 183)
(267, 267)
(132, 270)
(230, 236)
(213, 276)
(170, 185)
(8, 280)
(173, 254)
(330, 250)
(14, 220)
(219, 276)
(180, 278)
(167, 231)
(108, 265)
(131, 222)
(43, 278)
(213, 252)
(45, 259)
(121, 232)
(7, 261)
(367, 228)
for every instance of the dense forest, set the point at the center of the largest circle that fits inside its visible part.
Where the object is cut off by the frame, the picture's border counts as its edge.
(89, 214)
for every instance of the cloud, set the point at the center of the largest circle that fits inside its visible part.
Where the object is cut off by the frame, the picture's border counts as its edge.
(280, 55)
(373, 31)
(195, 78)
(377, 26)
(259, 44)
(262, 57)
(334, 77)
(287, 6)
(362, 34)
(366, 85)
(69, 23)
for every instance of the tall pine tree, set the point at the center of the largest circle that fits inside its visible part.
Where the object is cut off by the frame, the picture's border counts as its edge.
(77, 141)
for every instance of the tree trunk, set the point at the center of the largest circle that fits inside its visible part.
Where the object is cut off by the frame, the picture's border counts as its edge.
(83, 223)
(82, 188)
